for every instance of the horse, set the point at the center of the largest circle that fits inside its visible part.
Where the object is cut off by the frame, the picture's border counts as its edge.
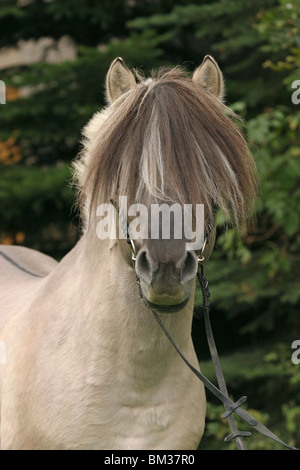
(87, 366)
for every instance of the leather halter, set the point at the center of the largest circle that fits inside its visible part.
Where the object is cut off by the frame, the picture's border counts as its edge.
(221, 393)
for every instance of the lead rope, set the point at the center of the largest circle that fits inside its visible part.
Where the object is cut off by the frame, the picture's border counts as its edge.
(235, 433)
(230, 406)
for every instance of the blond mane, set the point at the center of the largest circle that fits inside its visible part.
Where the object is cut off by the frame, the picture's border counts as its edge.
(170, 140)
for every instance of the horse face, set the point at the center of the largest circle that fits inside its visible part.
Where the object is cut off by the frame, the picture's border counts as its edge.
(167, 139)
(165, 267)
(164, 262)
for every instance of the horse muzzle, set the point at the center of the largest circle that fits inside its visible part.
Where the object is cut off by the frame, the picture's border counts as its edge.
(166, 282)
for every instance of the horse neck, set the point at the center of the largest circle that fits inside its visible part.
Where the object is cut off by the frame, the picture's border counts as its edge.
(123, 321)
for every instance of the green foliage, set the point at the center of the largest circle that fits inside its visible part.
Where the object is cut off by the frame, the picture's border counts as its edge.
(280, 26)
(38, 211)
(260, 372)
(211, 28)
(254, 275)
(268, 276)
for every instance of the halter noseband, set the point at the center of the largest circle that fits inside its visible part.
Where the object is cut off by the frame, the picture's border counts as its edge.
(200, 257)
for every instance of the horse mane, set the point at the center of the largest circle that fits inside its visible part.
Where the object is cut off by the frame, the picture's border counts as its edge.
(167, 139)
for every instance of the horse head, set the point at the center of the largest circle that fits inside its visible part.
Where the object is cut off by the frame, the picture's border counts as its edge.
(167, 143)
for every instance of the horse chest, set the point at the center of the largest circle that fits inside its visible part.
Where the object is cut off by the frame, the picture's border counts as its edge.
(140, 426)
(143, 415)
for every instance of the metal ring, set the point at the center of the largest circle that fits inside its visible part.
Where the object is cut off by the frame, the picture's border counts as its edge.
(133, 255)
(201, 257)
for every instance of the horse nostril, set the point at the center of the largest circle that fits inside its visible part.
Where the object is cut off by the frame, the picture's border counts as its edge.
(189, 268)
(142, 266)
(150, 271)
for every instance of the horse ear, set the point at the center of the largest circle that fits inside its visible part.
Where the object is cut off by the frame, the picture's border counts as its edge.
(209, 76)
(119, 79)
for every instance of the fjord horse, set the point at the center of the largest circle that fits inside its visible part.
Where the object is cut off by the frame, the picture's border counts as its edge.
(86, 365)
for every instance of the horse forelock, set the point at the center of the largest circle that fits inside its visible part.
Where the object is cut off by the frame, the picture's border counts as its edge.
(167, 140)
